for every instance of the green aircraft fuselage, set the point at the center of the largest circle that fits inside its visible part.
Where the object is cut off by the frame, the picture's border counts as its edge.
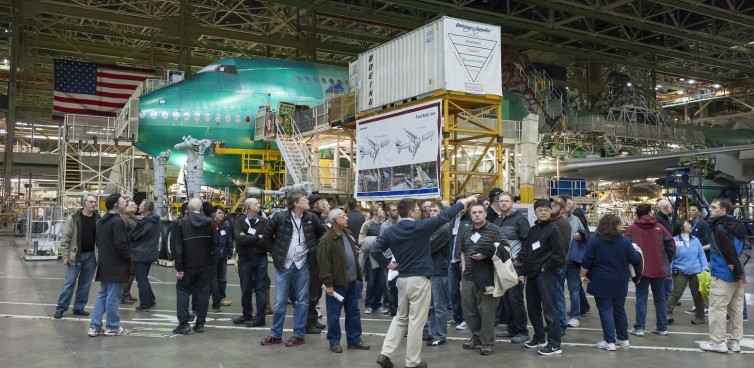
(220, 103)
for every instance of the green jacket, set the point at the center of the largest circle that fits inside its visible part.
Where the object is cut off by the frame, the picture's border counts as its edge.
(331, 256)
(70, 239)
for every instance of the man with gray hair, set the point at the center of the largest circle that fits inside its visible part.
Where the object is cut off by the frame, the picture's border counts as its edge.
(77, 249)
(339, 272)
(145, 243)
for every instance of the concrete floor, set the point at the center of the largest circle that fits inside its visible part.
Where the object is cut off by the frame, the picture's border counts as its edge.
(29, 337)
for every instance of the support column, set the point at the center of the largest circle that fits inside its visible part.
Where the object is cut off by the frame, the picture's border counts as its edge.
(159, 182)
(529, 131)
(10, 121)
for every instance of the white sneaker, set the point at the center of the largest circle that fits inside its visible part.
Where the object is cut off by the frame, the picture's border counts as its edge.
(462, 326)
(622, 343)
(636, 332)
(368, 311)
(94, 332)
(118, 332)
(609, 346)
(734, 346)
(712, 346)
(573, 322)
(661, 333)
(382, 310)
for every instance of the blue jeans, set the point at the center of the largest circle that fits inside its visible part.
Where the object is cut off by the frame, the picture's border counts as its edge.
(541, 299)
(438, 311)
(141, 273)
(375, 287)
(561, 277)
(107, 301)
(613, 318)
(298, 280)
(83, 273)
(254, 279)
(658, 294)
(668, 288)
(195, 281)
(454, 284)
(350, 305)
(574, 289)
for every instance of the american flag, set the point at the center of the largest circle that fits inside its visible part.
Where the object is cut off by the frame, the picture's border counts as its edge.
(93, 89)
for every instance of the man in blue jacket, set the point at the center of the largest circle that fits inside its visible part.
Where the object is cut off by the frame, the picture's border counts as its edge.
(409, 241)
(728, 278)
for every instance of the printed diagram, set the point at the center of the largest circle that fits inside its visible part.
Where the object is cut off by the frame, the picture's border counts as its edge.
(373, 148)
(473, 52)
(413, 142)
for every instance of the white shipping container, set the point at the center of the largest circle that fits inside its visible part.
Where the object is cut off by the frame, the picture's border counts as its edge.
(449, 53)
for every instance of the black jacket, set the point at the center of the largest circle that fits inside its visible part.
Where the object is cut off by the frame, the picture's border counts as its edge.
(549, 253)
(441, 241)
(194, 246)
(223, 239)
(482, 273)
(279, 230)
(515, 227)
(250, 246)
(664, 220)
(145, 239)
(114, 255)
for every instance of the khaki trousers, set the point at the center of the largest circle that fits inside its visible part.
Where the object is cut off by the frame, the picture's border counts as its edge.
(414, 295)
(725, 298)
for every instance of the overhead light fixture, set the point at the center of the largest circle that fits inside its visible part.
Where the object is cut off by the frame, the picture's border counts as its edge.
(691, 81)
(628, 84)
(750, 43)
(679, 92)
(659, 86)
(716, 85)
(682, 79)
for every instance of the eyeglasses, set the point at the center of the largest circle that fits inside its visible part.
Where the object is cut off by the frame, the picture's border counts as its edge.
(393, 210)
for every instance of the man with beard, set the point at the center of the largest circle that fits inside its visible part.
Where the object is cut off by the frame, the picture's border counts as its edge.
(515, 227)
(478, 245)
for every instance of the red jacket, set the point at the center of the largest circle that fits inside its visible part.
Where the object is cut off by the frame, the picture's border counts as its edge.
(656, 244)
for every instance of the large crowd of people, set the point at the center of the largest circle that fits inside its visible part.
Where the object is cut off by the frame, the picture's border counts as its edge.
(428, 264)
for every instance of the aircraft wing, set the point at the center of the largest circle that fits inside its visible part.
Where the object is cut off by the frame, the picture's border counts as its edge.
(635, 167)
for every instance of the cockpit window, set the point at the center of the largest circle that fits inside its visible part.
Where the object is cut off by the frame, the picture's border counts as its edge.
(230, 69)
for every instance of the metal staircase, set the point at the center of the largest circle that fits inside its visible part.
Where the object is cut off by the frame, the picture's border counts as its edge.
(542, 97)
(295, 153)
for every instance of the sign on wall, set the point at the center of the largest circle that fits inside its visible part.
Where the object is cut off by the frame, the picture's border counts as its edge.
(399, 153)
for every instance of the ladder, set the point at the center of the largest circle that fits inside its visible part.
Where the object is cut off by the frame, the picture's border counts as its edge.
(295, 153)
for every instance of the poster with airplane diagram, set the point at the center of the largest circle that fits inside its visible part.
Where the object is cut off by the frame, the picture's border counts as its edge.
(398, 153)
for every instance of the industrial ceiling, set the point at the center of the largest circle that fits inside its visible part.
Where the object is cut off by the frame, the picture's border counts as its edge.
(710, 40)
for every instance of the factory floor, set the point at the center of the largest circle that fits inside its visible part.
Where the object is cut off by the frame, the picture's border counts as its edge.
(30, 337)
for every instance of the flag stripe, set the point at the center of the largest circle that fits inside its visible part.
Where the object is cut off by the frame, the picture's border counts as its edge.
(115, 105)
(122, 76)
(85, 97)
